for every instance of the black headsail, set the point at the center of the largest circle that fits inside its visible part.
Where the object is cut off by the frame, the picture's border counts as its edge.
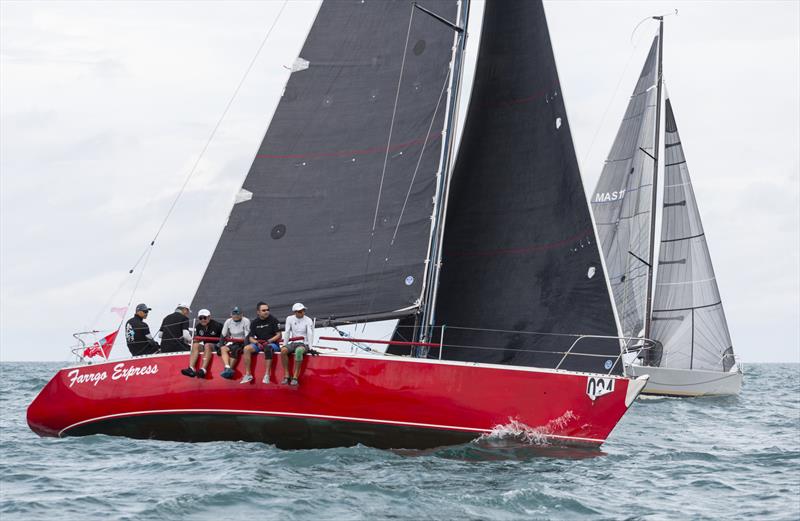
(520, 252)
(327, 216)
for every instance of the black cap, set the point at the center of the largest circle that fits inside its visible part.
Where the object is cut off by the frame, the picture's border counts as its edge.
(142, 307)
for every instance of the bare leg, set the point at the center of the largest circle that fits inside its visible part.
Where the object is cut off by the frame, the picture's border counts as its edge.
(248, 353)
(226, 357)
(207, 356)
(194, 355)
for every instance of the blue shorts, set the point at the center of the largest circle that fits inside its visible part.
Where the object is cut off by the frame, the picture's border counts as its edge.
(272, 347)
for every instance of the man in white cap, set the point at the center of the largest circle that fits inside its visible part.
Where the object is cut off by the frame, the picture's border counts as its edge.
(299, 336)
(208, 328)
(174, 330)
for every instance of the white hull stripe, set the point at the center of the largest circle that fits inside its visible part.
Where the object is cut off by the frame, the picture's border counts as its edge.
(301, 415)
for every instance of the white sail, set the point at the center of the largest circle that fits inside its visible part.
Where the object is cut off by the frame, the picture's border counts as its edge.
(622, 200)
(688, 318)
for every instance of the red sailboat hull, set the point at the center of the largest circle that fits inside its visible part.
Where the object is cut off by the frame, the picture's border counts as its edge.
(387, 402)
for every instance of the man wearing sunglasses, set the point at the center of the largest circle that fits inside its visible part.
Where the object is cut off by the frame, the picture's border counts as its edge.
(237, 326)
(137, 333)
(265, 332)
(205, 327)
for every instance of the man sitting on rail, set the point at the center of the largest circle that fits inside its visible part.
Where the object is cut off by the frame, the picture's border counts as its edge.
(299, 336)
(137, 333)
(237, 327)
(208, 328)
(265, 332)
(174, 330)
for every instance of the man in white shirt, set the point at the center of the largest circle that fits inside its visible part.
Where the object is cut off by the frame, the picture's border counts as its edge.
(298, 338)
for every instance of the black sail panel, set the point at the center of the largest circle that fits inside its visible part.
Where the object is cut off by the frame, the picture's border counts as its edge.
(688, 318)
(520, 252)
(307, 228)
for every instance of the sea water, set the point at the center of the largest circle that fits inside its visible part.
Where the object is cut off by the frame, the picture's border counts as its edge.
(705, 458)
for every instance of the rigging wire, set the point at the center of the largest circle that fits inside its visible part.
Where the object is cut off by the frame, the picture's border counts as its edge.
(388, 147)
(145, 255)
(411, 182)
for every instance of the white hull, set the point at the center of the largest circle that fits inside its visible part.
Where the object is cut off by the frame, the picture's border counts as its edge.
(687, 382)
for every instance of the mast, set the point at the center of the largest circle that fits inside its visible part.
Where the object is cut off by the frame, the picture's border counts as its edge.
(446, 167)
(650, 267)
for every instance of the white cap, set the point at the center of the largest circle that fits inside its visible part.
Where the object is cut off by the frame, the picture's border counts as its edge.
(204, 313)
(184, 305)
(298, 307)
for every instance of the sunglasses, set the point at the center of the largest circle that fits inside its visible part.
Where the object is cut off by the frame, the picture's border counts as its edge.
(202, 318)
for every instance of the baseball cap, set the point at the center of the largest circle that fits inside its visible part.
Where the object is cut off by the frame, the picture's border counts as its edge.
(298, 307)
(142, 307)
(204, 313)
(184, 305)
(236, 311)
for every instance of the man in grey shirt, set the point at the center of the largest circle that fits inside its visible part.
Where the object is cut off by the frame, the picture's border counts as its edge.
(237, 327)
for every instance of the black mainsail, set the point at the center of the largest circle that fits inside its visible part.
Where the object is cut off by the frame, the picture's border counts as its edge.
(622, 201)
(687, 313)
(520, 252)
(336, 208)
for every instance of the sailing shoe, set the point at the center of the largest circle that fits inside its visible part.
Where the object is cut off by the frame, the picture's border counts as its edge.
(294, 382)
(265, 380)
(188, 372)
(201, 373)
(285, 381)
(227, 373)
(246, 379)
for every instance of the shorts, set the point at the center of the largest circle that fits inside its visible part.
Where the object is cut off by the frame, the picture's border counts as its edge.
(291, 347)
(263, 348)
(235, 349)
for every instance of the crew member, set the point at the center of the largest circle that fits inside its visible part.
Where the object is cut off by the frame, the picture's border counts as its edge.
(174, 330)
(299, 336)
(235, 327)
(206, 327)
(137, 333)
(265, 333)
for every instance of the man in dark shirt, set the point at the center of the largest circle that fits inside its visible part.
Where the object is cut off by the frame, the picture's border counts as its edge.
(206, 327)
(174, 330)
(265, 332)
(137, 333)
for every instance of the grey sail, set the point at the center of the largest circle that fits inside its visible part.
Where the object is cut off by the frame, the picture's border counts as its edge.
(622, 201)
(334, 213)
(520, 253)
(688, 318)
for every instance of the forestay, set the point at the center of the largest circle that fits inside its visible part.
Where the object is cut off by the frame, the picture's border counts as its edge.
(520, 253)
(623, 198)
(336, 208)
(688, 318)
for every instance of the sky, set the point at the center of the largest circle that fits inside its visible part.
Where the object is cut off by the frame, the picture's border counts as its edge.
(106, 106)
